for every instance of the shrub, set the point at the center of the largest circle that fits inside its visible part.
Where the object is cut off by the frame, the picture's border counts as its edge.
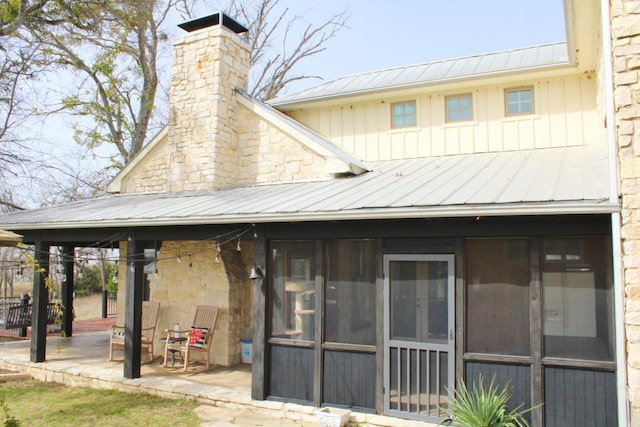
(484, 407)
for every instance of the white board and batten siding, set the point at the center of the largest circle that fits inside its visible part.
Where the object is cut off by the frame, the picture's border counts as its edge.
(564, 115)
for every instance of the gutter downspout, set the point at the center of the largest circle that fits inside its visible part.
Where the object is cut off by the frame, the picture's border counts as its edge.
(616, 221)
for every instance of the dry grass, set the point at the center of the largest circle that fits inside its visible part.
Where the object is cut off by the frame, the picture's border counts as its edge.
(88, 307)
(34, 403)
(85, 307)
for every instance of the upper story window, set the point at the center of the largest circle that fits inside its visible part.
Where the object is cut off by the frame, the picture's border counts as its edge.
(403, 114)
(459, 107)
(518, 101)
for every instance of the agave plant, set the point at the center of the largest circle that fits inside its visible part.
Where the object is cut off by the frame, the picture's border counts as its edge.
(484, 407)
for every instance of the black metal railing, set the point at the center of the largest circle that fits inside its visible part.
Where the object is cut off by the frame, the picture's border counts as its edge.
(5, 304)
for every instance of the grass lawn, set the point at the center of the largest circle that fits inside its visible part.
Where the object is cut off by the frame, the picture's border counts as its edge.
(34, 403)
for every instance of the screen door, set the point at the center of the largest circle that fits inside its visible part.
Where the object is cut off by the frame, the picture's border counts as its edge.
(418, 335)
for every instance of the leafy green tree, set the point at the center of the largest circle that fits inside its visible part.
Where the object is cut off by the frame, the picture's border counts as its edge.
(110, 49)
(93, 278)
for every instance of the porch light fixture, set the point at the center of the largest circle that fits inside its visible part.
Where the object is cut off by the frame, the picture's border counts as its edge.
(256, 273)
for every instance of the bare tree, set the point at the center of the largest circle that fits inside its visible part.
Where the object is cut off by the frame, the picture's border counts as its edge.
(14, 14)
(110, 52)
(20, 64)
(278, 44)
(113, 57)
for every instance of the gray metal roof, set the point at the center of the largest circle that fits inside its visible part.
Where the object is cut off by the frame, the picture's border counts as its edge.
(526, 59)
(546, 181)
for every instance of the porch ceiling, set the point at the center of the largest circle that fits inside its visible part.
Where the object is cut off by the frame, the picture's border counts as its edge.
(572, 180)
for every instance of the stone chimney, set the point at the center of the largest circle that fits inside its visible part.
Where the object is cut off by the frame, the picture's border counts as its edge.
(209, 62)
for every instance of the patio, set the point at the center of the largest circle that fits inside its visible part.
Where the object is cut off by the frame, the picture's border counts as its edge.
(81, 360)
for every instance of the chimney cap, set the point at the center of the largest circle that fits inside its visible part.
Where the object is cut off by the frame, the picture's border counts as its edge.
(211, 20)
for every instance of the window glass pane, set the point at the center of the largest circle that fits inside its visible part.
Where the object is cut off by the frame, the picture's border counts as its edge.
(410, 120)
(403, 114)
(459, 108)
(293, 291)
(519, 101)
(350, 292)
(577, 298)
(497, 285)
(409, 109)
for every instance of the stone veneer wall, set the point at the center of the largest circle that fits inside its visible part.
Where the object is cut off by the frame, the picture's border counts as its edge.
(207, 67)
(180, 288)
(152, 174)
(212, 142)
(625, 27)
(267, 154)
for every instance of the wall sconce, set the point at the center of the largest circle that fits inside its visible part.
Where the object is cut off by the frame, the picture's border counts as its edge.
(256, 273)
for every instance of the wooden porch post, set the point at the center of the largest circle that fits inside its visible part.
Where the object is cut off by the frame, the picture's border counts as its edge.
(68, 253)
(259, 361)
(133, 307)
(40, 300)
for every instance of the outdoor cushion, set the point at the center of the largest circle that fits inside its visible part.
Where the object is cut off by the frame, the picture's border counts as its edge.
(197, 336)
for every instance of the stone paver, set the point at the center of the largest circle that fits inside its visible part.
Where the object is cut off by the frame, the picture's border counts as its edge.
(218, 417)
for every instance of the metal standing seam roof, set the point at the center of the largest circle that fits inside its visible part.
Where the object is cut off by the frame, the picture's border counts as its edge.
(544, 181)
(525, 59)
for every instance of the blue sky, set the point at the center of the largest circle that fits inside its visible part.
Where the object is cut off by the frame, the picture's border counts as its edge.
(380, 34)
(384, 34)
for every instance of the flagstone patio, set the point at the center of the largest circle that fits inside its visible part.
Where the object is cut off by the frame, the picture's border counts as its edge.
(225, 393)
